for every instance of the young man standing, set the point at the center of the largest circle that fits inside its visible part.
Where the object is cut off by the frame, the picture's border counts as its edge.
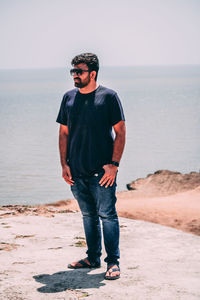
(90, 157)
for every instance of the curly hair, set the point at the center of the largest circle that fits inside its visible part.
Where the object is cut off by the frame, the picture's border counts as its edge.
(90, 59)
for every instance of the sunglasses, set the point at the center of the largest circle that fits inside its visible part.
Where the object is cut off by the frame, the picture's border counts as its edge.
(77, 71)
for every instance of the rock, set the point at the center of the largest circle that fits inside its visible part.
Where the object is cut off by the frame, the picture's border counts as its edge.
(165, 182)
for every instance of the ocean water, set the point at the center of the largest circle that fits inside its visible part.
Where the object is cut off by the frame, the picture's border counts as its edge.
(162, 110)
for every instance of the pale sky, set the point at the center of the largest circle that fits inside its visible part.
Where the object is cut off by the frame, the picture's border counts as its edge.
(49, 33)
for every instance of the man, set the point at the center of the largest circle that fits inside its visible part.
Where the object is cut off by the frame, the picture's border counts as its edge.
(90, 157)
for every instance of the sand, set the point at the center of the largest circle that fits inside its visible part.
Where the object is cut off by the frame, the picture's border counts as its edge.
(181, 210)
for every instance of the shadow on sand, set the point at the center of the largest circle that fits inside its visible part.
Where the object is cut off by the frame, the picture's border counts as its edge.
(75, 279)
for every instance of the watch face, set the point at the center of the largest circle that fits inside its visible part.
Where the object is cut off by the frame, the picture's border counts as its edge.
(115, 163)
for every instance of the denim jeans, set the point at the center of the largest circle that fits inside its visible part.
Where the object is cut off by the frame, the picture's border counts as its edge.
(97, 202)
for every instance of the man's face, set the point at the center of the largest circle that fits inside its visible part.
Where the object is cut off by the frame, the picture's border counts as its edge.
(82, 80)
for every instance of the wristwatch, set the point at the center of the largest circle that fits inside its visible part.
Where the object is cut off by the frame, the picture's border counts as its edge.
(115, 163)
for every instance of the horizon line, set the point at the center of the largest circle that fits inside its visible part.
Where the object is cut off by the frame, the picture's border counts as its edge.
(103, 66)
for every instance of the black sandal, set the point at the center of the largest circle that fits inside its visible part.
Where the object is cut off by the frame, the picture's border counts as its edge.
(111, 270)
(84, 265)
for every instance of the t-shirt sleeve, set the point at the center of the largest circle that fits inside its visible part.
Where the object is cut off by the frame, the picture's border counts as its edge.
(117, 113)
(62, 115)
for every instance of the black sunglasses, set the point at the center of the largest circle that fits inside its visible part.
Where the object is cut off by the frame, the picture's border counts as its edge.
(78, 71)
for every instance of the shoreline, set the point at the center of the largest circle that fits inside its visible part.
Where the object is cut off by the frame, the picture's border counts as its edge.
(180, 210)
(167, 198)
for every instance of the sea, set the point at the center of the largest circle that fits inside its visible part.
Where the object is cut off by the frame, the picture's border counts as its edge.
(162, 110)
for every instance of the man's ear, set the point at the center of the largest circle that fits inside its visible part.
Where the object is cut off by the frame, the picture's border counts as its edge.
(93, 74)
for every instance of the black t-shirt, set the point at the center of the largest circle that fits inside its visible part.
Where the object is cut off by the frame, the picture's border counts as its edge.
(90, 118)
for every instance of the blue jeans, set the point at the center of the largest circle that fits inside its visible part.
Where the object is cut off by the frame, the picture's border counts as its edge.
(97, 202)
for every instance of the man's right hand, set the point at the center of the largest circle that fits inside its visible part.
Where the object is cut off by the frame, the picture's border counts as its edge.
(66, 174)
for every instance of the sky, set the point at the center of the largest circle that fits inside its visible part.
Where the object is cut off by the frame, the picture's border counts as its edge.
(49, 33)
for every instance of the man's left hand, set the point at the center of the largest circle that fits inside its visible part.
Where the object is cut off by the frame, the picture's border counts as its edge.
(109, 175)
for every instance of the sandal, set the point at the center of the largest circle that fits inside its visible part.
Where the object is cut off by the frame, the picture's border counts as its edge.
(84, 265)
(111, 270)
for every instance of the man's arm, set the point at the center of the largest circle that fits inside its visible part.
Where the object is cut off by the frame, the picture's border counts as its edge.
(63, 139)
(119, 143)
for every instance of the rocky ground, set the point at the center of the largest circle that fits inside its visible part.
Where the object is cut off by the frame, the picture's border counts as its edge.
(157, 262)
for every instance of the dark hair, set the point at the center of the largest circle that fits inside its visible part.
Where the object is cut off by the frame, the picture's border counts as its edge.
(90, 59)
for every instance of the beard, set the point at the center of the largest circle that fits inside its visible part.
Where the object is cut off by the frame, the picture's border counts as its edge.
(81, 83)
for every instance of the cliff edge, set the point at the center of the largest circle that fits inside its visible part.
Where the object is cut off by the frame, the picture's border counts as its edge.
(165, 182)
